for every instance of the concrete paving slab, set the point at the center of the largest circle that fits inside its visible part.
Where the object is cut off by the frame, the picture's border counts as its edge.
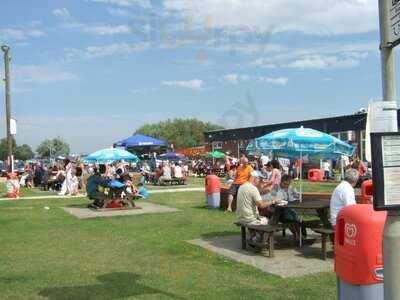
(158, 191)
(289, 260)
(82, 212)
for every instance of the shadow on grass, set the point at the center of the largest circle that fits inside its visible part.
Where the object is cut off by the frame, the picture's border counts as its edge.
(112, 286)
(204, 207)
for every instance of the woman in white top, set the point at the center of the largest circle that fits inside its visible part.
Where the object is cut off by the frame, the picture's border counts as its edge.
(178, 171)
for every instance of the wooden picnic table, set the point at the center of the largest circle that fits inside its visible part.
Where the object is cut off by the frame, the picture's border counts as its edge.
(320, 206)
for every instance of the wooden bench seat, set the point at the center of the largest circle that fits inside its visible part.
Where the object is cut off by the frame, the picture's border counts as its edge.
(172, 181)
(325, 234)
(267, 236)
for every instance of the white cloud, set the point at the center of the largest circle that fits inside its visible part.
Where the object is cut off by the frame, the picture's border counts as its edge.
(106, 29)
(143, 91)
(244, 77)
(322, 57)
(231, 78)
(323, 62)
(62, 13)
(72, 54)
(235, 78)
(271, 80)
(20, 34)
(118, 12)
(322, 17)
(126, 3)
(195, 84)
(41, 74)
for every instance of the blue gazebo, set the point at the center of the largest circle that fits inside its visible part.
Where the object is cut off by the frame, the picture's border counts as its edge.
(139, 140)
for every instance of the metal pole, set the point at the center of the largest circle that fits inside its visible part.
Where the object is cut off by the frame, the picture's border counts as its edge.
(391, 235)
(301, 176)
(6, 50)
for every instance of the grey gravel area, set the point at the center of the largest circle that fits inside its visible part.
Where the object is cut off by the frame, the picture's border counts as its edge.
(82, 212)
(289, 260)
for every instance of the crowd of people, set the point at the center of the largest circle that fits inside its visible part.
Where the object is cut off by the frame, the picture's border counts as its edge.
(167, 171)
(262, 184)
(70, 178)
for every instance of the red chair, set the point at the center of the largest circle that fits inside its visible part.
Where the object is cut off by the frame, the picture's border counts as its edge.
(367, 189)
(315, 175)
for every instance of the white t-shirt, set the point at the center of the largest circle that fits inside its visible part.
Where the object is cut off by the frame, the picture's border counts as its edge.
(327, 166)
(247, 198)
(342, 196)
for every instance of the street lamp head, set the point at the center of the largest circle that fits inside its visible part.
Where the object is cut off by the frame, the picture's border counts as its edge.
(5, 48)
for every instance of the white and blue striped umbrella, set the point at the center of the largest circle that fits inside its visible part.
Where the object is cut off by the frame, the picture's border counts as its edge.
(293, 142)
(111, 154)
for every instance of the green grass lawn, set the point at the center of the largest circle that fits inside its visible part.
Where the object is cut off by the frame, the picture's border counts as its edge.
(49, 254)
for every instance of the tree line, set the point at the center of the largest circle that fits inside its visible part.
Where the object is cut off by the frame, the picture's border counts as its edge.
(181, 133)
(47, 148)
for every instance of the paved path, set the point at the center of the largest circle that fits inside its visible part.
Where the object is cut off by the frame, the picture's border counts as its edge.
(145, 208)
(289, 261)
(159, 191)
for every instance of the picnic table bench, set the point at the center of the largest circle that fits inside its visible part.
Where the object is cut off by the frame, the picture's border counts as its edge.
(323, 227)
(266, 244)
(325, 234)
(174, 180)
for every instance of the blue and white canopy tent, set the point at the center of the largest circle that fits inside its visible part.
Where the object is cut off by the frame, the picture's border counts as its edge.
(110, 155)
(171, 156)
(300, 142)
(139, 140)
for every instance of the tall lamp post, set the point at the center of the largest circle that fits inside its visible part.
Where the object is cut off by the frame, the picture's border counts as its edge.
(6, 50)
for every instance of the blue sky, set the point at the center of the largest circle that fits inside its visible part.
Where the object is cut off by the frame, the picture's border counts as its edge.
(91, 71)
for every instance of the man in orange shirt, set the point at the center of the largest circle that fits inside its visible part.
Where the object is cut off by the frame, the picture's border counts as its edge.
(242, 175)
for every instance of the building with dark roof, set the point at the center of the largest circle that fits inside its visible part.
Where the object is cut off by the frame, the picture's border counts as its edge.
(349, 128)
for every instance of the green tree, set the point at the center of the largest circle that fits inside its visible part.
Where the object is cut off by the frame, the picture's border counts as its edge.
(53, 147)
(181, 133)
(3, 148)
(24, 152)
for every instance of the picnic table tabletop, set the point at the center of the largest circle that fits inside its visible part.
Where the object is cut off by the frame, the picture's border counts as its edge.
(320, 206)
(309, 204)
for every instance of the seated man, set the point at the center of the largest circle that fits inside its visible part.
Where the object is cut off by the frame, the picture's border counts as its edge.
(343, 195)
(249, 200)
(96, 181)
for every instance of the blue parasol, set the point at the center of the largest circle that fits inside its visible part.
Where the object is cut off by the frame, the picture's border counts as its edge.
(300, 142)
(111, 154)
(305, 141)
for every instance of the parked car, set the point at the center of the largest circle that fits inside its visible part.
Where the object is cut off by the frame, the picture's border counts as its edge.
(19, 167)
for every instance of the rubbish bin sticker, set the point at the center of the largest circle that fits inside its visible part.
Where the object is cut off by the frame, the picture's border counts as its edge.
(350, 234)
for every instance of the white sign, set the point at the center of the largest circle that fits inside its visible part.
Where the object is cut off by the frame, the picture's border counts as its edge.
(394, 21)
(383, 116)
(13, 126)
(391, 169)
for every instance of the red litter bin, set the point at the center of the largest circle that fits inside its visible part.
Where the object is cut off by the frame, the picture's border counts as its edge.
(213, 191)
(314, 175)
(367, 190)
(358, 253)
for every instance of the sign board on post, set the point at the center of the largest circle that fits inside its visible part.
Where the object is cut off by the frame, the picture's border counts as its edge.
(13, 126)
(394, 22)
(385, 149)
